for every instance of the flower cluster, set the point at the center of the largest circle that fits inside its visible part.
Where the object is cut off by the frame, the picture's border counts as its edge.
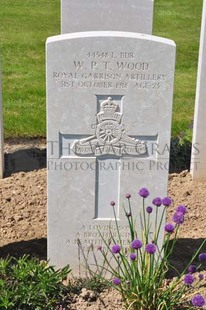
(188, 279)
(143, 192)
(149, 209)
(116, 281)
(133, 256)
(178, 218)
(136, 244)
(115, 249)
(169, 228)
(157, 201)
(142, 265)
(166, 201)
(198, 301)
(202, 257)
(150, 248)
(192, 269)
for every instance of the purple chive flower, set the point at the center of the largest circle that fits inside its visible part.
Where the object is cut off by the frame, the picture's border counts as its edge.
(133, 256)
(188, 279)
(198, 301)
(136, 244)
(150, 248)
(201, 276)
(192, 269)
(116, 281)
(149, 210)
(166, 201)
(157, 201)
(178, 218)
(115, 248)
(99, 248)
(169, 228)
(112, 203)
(182, 209)
(128, 196)
(143, 192)
(202, 257)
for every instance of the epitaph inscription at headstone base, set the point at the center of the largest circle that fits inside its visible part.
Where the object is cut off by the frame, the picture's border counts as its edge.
(107, 15)
(1, 133)
(198, 157)
(109, 106)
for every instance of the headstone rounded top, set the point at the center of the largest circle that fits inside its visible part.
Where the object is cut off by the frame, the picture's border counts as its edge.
(109, 107)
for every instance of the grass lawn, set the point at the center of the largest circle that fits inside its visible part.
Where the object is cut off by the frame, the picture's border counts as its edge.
(180, 20)
(24, 27)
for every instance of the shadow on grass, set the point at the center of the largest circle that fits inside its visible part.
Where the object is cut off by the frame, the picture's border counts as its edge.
(35, 248)
(180, 155)
(25, 160)
(34, 158)
(183, 251)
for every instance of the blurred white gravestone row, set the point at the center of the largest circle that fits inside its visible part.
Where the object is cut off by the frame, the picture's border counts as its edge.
(198, 158)
(1, 133)
(107, 15)
(109, 108)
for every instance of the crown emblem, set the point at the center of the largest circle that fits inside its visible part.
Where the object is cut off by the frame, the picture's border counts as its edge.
(108, 111)
(109, 105)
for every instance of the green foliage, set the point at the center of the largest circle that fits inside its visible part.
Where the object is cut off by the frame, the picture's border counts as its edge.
(94, 282)
(139, 269)
(180, 152)
(27, 284)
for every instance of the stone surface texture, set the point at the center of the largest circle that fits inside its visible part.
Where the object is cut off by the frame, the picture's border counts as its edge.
(198, 158)
(107, 15)
(109, 107)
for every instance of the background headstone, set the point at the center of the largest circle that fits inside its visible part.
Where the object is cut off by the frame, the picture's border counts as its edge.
(1, 133)
(198, 158)
(109, 106)
(107, 15)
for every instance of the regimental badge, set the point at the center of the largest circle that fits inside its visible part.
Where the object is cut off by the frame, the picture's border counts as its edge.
(110, 135)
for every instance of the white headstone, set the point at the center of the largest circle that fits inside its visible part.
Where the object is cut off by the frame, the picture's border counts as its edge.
(1, 133)
(109, 106)
(198, 158)
(107, 15)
